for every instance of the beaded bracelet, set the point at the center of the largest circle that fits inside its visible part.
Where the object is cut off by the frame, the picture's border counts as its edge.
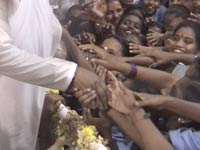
(133, 71)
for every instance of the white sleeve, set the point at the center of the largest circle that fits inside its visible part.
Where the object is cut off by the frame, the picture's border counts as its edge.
(20, 65)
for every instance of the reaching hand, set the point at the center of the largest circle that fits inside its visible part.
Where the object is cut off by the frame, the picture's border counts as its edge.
(87, 79)
(159, 56)
(85, 96)
(101, 72)
(154, 38)
(120, 98)
(84, 38)
(105, 29)
(155, 101)
(194, 17)
(101, 53)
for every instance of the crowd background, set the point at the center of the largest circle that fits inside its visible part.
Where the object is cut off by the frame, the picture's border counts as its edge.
(147, 54)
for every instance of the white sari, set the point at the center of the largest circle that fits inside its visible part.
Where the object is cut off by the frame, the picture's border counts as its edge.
(29, 35)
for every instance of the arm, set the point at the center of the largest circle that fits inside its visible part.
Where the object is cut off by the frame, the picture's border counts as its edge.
(184, 108)
(20, 65)
(74, 51)
(151, 137)
(122, 100)
(181, 107)
(150, 76)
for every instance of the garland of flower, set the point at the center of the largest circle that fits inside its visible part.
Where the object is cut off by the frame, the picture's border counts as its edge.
(77, 135)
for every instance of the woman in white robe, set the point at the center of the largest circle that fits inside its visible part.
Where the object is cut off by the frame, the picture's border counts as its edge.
(29, 35)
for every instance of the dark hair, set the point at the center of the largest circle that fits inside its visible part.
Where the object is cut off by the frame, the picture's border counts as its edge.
(134, 11)
(158, 25)
(195, 28)
(177, 11)
(123, 42)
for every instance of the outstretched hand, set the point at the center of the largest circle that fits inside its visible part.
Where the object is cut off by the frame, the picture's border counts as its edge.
(120, 98)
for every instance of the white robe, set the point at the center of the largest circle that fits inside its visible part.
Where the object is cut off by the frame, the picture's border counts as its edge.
(24, 57)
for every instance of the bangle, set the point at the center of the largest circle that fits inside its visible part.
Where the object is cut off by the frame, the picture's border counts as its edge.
(197, 59)
(133, 71)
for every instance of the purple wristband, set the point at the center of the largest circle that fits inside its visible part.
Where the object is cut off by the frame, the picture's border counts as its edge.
(133, 71)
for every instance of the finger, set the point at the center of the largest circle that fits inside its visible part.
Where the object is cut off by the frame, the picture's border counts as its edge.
(101, 93)
(152, 41)
(111, 78)
(86, 99)
(122, 87)
(82, 92)
(100, 62)
(93, 105)
(89, 115)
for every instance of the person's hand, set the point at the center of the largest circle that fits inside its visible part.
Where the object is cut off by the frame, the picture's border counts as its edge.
(84, 38)
(154, 38)
(120, 98)
(86, 79)
(160, 57)
(194, 17)
(101, 72)
(136, 47)
(149, 21)
(101, 53)
(85, 96)
(155, 101)
(51, 103)
(106, 29)
(102, 123)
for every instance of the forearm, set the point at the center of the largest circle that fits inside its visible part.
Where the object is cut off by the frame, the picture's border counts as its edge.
(185, 58)
(151, 137)
(156, 78)
(184, 108)
(74, 51)
(141, 60)
(126, 126)
(150, 76)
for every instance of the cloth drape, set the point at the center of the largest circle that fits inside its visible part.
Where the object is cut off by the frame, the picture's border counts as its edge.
(29, 35)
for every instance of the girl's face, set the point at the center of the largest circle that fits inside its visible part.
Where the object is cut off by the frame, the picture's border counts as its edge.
(171, 22)
(130, 25)
(151, 6)
(185, 41)
(196, 7)
(114, 12)
(114, 47)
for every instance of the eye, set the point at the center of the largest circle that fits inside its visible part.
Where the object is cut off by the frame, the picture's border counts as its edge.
(137, 26)
(188, 40)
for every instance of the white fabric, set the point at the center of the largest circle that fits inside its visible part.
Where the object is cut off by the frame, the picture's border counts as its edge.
(62, 6)
(180, 70)
(29, 34)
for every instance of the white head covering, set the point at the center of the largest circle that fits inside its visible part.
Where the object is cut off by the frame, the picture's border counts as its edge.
(34, 27)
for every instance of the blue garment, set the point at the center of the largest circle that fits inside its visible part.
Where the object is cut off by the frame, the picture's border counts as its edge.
(159, 15)
(185, 139)
(121, 140)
